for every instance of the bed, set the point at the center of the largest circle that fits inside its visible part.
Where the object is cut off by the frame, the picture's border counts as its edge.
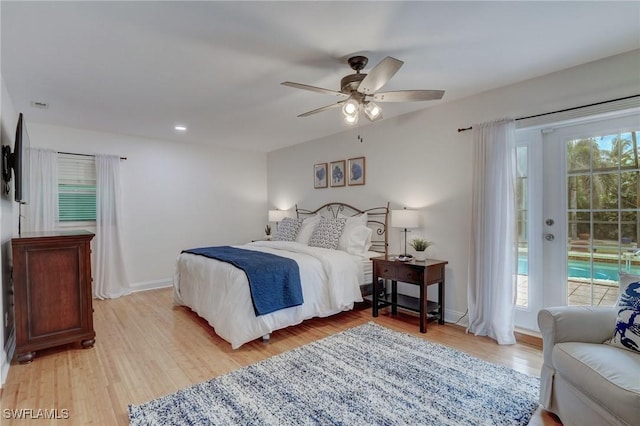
(331, 280)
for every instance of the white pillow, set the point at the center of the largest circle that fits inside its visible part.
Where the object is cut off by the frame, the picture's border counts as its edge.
(358, 240)
(308, 225)
(352, 223)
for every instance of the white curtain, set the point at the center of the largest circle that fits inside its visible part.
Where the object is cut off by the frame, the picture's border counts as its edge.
(110, 278)
(493, 251)
(41, 210)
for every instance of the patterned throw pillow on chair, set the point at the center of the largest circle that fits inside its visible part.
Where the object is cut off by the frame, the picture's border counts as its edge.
(287, 229)
(627, 332)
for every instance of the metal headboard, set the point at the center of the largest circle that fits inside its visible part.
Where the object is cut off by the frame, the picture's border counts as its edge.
(377, 220)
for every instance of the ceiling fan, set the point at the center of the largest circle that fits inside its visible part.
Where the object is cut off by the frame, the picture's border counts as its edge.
(359, 91)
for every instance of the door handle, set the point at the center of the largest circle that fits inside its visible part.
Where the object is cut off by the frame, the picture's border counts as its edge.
(549, 237)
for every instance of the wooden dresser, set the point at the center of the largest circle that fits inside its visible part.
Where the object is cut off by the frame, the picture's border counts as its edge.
(52, 289)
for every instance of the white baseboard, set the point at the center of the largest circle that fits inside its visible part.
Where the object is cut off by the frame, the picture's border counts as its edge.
(455, 317)
(151, 285)
(6, 357)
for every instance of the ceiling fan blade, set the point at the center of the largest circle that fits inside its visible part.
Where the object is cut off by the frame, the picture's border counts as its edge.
(324, 108)
(315, 89)
(409, 96)
(379, 75)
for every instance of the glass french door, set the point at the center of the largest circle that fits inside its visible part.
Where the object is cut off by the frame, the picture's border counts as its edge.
(529, 213)
(579, 222)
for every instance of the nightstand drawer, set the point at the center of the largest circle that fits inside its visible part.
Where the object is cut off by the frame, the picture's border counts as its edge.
(435, 274)
(413, 276)
(388, 272)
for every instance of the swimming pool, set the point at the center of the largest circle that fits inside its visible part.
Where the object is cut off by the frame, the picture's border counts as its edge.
(582, 269)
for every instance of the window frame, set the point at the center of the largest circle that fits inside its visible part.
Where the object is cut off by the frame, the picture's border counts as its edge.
(76, 169)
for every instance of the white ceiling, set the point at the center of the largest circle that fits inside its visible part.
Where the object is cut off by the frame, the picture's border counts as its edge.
(139, 68)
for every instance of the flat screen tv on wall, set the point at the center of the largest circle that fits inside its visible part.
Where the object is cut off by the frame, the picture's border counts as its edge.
(18, 161)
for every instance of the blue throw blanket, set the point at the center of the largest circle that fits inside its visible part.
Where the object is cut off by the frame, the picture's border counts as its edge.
(274, 281)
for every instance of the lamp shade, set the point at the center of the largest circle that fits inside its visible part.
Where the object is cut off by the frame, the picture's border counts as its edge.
(277, 215)
(405, 218)
(372, 111)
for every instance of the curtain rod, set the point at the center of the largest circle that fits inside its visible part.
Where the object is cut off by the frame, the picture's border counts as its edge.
(563, 110)
(84, 155)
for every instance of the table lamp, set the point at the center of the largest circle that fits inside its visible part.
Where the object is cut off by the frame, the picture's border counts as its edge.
(277, 216)
(405, 219)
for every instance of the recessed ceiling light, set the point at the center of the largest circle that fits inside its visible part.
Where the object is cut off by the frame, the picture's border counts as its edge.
(180, 128)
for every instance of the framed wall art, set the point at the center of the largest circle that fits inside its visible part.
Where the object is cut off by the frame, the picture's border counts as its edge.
(356, 169)
(337, 173)
(320, 175)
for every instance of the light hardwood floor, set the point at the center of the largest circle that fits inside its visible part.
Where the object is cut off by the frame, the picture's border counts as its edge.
(146, 348)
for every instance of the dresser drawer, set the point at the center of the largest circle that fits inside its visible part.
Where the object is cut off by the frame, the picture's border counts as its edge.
(387, 271)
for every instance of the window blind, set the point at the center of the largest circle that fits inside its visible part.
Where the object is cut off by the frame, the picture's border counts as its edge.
(76, 188)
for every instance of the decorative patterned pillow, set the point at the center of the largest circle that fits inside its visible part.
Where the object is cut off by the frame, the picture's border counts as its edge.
(287, 229)
(624, 281)
(627, 332)
(327, 233)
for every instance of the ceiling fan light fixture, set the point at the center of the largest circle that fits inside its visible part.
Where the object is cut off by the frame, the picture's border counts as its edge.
(350, 108)
(358, 89)
(373, 111)
(351, 119)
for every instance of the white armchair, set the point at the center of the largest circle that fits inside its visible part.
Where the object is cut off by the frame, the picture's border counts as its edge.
(583, 381)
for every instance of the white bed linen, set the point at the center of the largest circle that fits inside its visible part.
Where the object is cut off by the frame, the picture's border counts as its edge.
(219, 292)
(367, 272)
(367, 267)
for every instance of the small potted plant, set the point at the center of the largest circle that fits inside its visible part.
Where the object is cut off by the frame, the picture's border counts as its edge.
(420, 245)
(267, 232)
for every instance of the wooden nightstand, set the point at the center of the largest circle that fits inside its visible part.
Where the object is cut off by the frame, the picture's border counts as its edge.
(415, 272)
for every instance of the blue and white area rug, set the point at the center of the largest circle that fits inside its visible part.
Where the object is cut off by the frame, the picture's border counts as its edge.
(367, 375)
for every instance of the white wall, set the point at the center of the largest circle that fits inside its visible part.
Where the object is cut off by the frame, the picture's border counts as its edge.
(175, 196)
(8, 217)
(420, 161)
